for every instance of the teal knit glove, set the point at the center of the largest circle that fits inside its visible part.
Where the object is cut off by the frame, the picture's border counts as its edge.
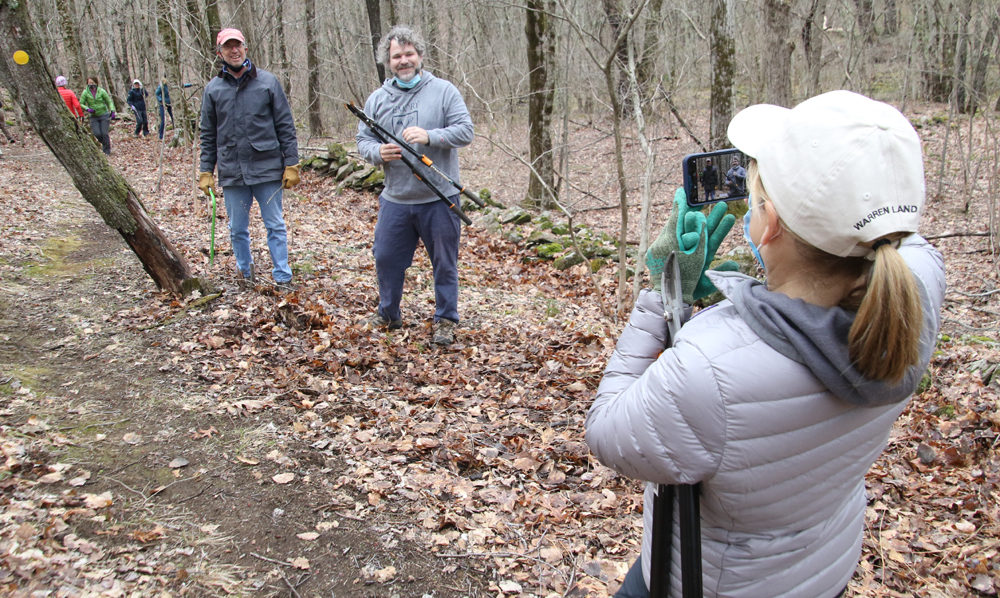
(695, 239)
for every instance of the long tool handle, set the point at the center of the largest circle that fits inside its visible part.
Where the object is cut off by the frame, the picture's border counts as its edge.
(211, 245)
(378, 132)
(384, 134)
(690, 519)
(689, 509)
(659, 565)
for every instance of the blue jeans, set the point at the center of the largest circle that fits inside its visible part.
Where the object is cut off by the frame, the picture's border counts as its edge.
(163, 123)
(239, 200)
(397, 231)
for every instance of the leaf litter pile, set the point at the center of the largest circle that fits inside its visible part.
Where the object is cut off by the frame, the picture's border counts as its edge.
(473, 453)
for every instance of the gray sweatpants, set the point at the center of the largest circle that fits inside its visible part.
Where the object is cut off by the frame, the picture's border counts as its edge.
(101, 127)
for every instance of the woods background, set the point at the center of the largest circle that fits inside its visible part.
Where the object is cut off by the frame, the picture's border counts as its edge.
(639, 71)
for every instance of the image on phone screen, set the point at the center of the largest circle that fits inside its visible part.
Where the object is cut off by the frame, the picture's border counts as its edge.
(715, 176)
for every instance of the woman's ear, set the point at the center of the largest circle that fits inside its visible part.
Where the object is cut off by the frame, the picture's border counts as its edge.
(772, 225)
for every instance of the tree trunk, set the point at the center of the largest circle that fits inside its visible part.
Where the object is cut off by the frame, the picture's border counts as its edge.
(646, 70)
(812, 45)
(541, 37)
(375, 26)
(977, 91)
(393, 13)
(938, 54)
(961, 57)
(243, 17)
(312, 60)
(778, 56)
(171, 65)
(204, 45)
(865, 13)
(110, 194)
(723, 72)
(286, 77)
(891, 17)
(78, 72)
(612, 11)
(123, 61)
(214, 21)
(114, 84)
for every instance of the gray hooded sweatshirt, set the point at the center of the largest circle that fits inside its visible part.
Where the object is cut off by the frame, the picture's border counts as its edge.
(434, 105)
(758, 401)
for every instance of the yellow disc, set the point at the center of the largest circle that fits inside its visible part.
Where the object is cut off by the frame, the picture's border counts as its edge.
(21, 57)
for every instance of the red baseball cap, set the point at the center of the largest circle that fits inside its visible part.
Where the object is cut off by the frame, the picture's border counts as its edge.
(228, 34)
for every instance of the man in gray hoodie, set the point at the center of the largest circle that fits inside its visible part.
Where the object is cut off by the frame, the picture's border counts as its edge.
(429, 114)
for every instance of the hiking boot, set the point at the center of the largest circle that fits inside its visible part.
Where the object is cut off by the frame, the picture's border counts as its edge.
(444, 332)
(245, 281)
(284, 287)
(377, 320)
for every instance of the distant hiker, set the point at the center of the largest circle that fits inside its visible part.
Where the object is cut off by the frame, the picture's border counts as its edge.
(162, 93)
(709, 179)
(69, 97)
(248, 131)
(97, 101)
(137, 101)
(429, 113)
(777, 400)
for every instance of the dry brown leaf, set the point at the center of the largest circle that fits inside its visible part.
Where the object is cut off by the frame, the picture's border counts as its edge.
(97, 501)
(300, 563)
(283, 478)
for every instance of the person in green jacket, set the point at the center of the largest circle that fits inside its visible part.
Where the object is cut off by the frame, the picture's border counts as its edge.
(97, 102)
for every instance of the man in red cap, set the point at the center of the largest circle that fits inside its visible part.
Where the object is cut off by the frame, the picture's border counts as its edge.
(248, 132)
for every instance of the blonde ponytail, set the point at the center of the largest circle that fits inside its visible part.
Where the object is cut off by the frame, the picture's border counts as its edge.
(884, 340)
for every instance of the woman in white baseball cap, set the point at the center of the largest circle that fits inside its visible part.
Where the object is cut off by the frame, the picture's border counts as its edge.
(779, 399)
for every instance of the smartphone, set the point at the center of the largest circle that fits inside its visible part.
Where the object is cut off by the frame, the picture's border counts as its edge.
(715, 176)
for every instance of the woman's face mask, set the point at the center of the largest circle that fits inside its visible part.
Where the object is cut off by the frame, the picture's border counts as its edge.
(746, 235)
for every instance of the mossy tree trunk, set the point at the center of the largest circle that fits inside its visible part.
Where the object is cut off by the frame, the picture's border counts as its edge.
(723, 72)
(110, 194)
(204, 42)
(778, 56)
(171, 65)
(312, 61)
(539, 29)
(812, 44)
(69, 19)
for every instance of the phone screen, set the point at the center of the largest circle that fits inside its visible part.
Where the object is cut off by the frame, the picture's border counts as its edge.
(715, 176)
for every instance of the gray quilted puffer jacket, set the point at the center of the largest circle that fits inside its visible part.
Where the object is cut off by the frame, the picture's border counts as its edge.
(757, 400)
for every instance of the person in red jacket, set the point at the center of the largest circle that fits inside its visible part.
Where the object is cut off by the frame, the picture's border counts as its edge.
(69, 97)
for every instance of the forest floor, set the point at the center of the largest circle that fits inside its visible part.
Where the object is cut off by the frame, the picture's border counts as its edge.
(266, 444)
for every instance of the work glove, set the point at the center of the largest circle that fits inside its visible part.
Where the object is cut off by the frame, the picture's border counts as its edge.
(695, 239)
(205, 182)
(113, 115)
(291, 177)
(90, 110)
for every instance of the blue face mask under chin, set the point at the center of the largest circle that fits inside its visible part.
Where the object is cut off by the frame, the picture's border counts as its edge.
(409, 84)
(746, 235)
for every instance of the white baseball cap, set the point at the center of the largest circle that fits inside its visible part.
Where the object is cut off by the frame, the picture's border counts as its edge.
(841, 169)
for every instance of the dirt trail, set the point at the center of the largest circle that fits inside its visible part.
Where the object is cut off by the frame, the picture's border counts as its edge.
(78, 389)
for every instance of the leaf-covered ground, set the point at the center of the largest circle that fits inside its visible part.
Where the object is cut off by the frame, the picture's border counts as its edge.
(266, 443)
